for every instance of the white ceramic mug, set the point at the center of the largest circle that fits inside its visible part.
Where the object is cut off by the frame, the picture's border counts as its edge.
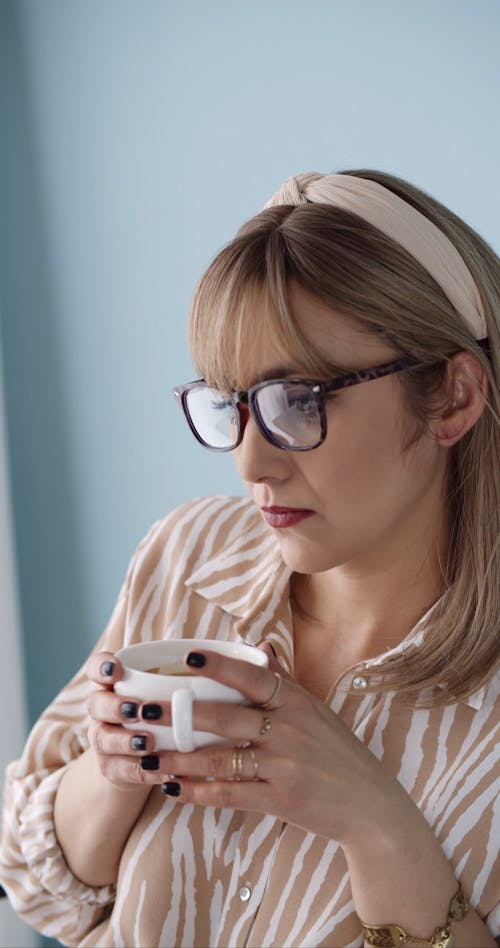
(155, 671)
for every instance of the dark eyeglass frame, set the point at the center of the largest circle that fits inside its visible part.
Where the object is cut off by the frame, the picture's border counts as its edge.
(319, 389)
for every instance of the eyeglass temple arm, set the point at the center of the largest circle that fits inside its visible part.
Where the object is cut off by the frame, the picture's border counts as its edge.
(368, 375)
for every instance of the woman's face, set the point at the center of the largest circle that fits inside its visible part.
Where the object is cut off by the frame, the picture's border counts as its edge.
(364, 501)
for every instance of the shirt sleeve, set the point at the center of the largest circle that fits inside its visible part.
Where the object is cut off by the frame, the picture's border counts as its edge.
(41, 887)
(33, 871)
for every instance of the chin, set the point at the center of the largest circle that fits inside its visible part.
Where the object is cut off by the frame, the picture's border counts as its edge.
(308, 558)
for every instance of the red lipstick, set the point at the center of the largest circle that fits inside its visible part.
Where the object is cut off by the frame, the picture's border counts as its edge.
(285, 516)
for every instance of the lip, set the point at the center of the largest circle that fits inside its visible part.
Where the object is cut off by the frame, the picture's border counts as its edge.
(279, 517)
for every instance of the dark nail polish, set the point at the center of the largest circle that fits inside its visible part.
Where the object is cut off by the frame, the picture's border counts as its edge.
(139, 742)
(195, 660)
(107, 668)
(151, 712)
(151, 762)
(171, 789)
(128, 709)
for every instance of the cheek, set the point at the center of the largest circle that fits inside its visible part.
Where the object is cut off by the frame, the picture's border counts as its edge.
(356, 456)
(368, 482)
(364, 480)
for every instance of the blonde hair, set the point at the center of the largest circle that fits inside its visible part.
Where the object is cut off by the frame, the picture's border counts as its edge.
(359, 271)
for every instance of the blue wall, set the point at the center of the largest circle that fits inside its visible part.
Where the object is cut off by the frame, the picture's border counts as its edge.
(136, 136)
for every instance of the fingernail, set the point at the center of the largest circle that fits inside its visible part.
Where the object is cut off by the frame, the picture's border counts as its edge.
(129, 709)
(196, 660)
(171, 789)
(139, 742)
(107, 668)
(151, 712)
(151, 762)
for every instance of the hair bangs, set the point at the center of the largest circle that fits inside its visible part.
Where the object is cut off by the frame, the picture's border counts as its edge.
(241, 302)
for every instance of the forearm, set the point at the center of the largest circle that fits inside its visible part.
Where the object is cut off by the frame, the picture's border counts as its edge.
(93, 819)
(400, 875)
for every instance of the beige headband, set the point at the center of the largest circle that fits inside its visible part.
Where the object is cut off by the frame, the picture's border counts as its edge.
(399, 220)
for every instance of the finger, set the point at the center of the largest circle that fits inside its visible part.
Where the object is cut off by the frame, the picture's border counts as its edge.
(235, 722)
(214, 762)
(123, 771)
(111, 739)
(103, 668)
(258, 684)
(103, 705)
(229, 794)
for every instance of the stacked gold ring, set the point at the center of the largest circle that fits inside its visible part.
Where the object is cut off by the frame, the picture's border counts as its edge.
(237, 763)
(237, 771)
(255, 764)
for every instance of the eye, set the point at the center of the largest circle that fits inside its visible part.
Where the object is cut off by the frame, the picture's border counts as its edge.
(221, 404)
(225, 407)
(304, 403)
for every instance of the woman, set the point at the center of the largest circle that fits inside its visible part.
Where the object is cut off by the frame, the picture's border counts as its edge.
(355, 801)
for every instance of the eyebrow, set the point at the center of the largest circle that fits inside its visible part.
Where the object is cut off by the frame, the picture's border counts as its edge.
(291, 371)
(278, 372)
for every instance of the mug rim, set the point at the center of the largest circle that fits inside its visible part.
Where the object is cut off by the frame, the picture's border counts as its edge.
(213, 645)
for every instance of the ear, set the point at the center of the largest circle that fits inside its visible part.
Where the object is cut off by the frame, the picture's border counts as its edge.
(467, 384)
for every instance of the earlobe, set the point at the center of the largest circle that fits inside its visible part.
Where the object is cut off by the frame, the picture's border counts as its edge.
(450, 431)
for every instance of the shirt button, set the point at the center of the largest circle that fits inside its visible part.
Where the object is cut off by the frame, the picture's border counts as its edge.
(245, 893)
(359, 682)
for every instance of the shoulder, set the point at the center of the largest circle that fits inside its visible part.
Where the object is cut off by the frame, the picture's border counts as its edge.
(195, 532)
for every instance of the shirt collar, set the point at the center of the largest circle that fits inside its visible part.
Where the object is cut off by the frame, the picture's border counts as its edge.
(252, 583)
(414, 640)
(243, 580)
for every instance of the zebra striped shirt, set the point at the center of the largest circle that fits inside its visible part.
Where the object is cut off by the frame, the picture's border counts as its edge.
(194, 876)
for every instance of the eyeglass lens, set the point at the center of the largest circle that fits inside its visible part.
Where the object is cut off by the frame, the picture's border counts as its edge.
(213, 416)
(288, 411)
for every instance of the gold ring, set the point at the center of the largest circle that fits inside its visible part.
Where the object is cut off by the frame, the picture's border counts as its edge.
(237, 763)
(255, 764)
(266, 725)
(279, 681)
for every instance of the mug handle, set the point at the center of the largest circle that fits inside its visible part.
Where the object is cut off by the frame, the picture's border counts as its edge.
(182, 719)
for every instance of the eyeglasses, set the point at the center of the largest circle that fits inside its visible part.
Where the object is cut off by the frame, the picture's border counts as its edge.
(290, 413)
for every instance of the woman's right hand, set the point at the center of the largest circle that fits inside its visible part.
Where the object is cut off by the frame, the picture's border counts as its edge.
(106, 782)
(118, 750)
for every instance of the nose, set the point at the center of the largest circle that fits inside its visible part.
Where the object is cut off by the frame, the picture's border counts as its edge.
(256, 459)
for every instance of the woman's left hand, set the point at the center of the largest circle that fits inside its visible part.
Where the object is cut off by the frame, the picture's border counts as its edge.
(300, 762)
(314, 773)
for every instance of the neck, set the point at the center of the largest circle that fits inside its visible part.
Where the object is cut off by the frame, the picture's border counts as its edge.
(371, 606)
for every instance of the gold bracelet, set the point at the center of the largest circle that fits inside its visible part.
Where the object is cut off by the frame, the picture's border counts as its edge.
(389, 936)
